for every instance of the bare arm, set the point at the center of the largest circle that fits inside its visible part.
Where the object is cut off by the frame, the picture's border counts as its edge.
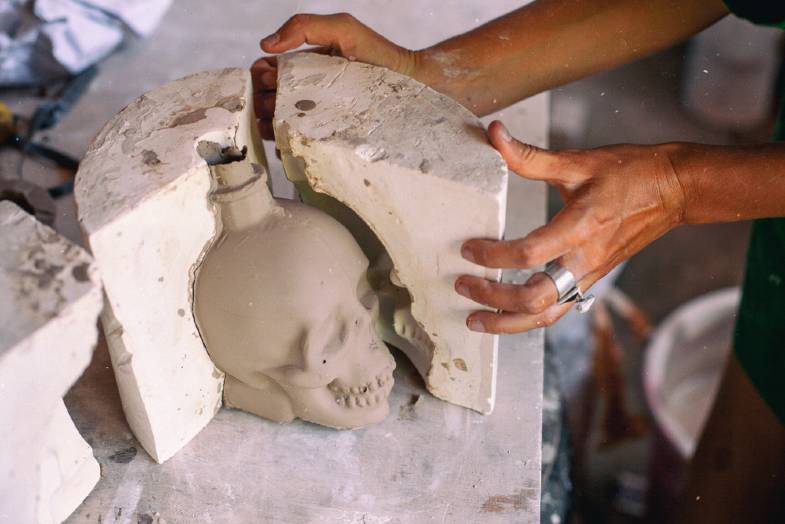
(724, 183)
(537, 47)
(553, 42)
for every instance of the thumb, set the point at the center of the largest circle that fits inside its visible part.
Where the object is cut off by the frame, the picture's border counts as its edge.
(343, 33)
(527, 160)
(302, 28)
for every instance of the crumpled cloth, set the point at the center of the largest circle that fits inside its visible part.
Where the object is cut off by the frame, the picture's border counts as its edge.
(46, 40)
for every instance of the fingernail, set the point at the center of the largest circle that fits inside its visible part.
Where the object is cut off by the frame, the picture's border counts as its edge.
(467, 254)
(504, 134)
(476, 325)
(272, 39)
(463, 289)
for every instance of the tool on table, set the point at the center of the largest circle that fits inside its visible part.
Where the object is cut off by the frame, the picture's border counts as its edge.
(19, 132)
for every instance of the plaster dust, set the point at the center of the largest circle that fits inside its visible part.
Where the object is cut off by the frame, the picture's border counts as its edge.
(399, 163)
(449, 62)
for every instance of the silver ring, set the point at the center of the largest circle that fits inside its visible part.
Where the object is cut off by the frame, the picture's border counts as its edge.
(567, 287)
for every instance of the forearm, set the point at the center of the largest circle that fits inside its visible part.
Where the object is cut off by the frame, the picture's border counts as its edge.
(723, 184)
(553, 42)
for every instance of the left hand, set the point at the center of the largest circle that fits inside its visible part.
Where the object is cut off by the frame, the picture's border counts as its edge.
(340, 34)
(618, 199)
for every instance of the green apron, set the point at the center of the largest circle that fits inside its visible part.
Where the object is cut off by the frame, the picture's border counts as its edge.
(759, 338)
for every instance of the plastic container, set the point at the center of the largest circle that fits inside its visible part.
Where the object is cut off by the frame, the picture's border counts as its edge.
(682, 371)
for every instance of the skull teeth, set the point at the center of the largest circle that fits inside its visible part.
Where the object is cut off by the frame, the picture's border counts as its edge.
(366, 395)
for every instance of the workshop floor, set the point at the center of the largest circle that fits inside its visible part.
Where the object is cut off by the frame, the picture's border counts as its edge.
(640, 103)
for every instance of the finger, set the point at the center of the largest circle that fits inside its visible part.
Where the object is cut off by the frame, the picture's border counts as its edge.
(266, 81)
(264, 73)
(265, 63)
(264, 104)
(490, 322)
(530, 161)
(534, 314)
(503, 254)
(265, 127)
(533, 297)
(322, 30)
(563, 233)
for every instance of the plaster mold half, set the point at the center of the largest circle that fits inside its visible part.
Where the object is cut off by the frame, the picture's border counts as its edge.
(416, 167)
(142, 196)
(50, 298)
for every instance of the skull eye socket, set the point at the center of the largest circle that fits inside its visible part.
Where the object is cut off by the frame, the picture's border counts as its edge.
(336, 344)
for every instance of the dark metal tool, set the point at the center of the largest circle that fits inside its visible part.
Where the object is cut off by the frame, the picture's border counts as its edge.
(19, 133)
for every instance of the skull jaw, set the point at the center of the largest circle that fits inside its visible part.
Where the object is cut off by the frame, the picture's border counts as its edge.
(268, 401)
(320, 407)
(330, 405)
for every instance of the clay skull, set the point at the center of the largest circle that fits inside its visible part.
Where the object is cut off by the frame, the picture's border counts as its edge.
(284, 307)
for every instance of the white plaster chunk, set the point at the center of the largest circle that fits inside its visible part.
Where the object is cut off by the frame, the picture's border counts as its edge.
(416, 167)
(50, 298)
(68, 466)
(141, 193)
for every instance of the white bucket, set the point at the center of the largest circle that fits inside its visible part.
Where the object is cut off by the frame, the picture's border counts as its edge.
(682, 372)
(684, 364)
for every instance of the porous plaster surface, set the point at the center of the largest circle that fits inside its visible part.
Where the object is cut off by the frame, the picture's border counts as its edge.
(141, 194)
(50, 297)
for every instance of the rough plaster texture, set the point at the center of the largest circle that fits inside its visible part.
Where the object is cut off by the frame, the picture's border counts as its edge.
(141, 194)
(50, 297)
(416, 167)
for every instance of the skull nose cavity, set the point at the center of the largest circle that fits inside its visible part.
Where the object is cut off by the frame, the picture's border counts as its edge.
(364, 395)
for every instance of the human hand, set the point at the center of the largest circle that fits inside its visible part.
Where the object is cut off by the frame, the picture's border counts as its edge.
(617, 198)
(339, 34)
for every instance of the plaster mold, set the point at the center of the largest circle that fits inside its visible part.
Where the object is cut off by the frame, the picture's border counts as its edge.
(50, 298)
(142, 196)
(415, 166)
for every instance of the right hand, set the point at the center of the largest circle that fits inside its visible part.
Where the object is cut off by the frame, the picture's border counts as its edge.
(339, 34)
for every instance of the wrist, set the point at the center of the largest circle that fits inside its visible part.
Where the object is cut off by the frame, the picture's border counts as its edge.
(675, 185)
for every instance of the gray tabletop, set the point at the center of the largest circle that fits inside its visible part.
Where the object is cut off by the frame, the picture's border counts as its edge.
(429, 461)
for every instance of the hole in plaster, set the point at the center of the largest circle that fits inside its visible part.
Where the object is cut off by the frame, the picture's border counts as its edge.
(215, 154)
(305, 105)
